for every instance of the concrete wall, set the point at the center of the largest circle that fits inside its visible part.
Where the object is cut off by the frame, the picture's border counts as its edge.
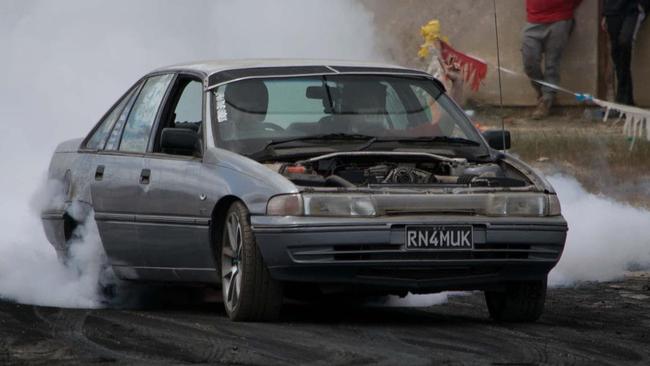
(470, 26)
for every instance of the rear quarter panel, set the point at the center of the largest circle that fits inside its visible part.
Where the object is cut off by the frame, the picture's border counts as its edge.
(66, 191)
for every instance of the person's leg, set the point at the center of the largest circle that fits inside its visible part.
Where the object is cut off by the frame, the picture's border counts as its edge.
(626, 36)
(556, 40)
(614, 25)
(531, 52)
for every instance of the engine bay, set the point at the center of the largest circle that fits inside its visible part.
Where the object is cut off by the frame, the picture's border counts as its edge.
(349, 170)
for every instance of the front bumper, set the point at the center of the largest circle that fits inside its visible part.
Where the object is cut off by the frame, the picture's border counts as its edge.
(371, 251)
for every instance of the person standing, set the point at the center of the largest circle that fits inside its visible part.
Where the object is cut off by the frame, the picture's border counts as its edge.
(546, 33)
(621, 19)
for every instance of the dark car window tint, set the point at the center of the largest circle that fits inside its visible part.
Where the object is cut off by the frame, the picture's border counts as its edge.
(442, 110)
(189, 106)
(138, 126)
(396, 109)
(289, 104)
(251, 113)
(98, 139)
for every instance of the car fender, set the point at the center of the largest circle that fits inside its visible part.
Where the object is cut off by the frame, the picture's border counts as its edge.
(246, 179)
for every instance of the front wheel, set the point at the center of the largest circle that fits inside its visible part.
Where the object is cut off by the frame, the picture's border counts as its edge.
(249, 292)
(520, 302)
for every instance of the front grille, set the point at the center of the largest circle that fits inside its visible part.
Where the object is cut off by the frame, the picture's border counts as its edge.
(391, 252)
(408, 273)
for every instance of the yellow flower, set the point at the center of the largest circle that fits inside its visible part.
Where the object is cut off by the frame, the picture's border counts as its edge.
(424, 51)
(431, 31)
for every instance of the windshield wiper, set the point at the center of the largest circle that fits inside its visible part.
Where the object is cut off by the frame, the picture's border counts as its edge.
(423, 139)
(268, 150)
(326, 136)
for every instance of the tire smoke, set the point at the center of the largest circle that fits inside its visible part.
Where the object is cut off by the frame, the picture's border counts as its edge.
(420, 300)
(30, 271)
(606, 238)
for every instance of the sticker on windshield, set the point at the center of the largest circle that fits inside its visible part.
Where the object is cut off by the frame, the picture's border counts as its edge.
(222, 114)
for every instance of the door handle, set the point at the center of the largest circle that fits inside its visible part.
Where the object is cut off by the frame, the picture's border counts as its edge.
(99, 172)
(145, 176)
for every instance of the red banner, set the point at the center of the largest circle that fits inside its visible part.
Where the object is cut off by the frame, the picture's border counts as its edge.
(474, 70)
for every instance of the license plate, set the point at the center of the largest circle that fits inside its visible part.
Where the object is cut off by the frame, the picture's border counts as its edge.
(439, 237)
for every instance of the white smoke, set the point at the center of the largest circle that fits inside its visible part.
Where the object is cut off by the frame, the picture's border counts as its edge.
(420, 300)
(606, 238)
(65, 62)
(32, 274)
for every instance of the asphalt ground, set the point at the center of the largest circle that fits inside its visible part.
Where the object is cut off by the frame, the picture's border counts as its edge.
(591, 324)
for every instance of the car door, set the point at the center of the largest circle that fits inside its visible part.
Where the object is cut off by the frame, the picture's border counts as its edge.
(176, 210)
(117, 189)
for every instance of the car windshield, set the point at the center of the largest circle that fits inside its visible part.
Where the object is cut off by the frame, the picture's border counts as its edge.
(340, 112)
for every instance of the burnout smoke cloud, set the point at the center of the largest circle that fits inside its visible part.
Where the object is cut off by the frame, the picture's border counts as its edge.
(606, 238)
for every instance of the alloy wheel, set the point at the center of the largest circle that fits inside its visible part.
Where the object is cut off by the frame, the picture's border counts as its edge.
(231, 262)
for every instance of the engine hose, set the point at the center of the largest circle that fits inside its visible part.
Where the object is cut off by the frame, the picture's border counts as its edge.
(337, 181)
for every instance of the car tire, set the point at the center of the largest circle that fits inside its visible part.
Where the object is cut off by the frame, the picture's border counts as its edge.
(249, 292)
(520, 302)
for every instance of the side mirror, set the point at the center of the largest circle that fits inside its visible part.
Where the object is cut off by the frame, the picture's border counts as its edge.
(497, 139)
(180, 141)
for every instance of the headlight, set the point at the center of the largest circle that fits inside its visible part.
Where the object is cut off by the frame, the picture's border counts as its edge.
(339, 205)
(321, 205)
(285, 205)
(363, 205)
(554, 207)
(524, 204)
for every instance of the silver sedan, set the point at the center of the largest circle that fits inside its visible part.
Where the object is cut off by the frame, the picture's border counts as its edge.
(276, 179)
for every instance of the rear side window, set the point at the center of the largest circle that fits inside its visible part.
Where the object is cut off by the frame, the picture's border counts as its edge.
(114, 138)
(143, 114)
(98, 138)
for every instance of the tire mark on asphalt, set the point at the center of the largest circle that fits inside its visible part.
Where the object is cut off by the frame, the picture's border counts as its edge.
(305, 340)
(218, 346)
(243, 337)
(69, 324)
(581, 326)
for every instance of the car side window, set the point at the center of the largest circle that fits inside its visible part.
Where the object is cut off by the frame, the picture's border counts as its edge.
(188, 112)
(143, 114)
(99, 137)
(183, 110)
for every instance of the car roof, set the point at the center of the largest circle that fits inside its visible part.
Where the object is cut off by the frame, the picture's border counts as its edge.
(213, 66)
(216, 72)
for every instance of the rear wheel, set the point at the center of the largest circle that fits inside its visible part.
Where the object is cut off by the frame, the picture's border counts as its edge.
(520, 302)
(249, 292)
